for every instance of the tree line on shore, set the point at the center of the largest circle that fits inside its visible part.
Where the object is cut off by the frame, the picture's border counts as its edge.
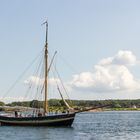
(78, 103)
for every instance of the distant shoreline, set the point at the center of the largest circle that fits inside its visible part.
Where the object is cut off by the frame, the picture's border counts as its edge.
(115, 109)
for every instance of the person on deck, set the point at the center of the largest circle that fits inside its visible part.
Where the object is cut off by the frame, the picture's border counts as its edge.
(16, 114)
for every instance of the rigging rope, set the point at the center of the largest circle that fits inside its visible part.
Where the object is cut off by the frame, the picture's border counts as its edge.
(62, 84)
(30, 89)
(68, 64)
(21, 75)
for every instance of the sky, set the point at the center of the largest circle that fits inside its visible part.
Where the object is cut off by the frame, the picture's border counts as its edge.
(99, 39)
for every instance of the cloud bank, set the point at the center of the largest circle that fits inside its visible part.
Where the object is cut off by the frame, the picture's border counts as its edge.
(110, 78)
(111, 74)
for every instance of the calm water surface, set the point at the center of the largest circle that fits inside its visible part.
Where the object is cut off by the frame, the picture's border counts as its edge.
(87, 126)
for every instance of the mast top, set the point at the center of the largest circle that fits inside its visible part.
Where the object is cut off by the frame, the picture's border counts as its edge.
(46, 22)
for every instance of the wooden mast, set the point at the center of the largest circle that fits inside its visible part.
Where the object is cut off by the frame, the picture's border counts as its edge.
(46, 71)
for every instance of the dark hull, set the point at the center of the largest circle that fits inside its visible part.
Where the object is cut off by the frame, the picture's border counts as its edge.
(54, 120)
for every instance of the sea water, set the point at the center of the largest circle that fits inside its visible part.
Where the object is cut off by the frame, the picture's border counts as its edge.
(123, 125)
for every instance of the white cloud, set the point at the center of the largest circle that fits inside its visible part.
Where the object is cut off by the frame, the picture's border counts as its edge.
(34, 80)
(109, 75)
(54, 81)
(121, 58)
(13, 99)
(37, 81)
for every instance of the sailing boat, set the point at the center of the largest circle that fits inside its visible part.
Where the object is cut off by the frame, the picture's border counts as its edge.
(45, 119)
(63, 119)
